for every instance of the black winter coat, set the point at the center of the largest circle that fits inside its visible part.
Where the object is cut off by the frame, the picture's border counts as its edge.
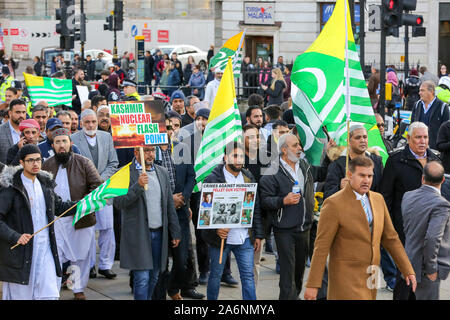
(439, 114)
(273, 190)
(336, 172)
(403, 172)
(257, 231)
(443, 144)
(15, 220)
(276, 95)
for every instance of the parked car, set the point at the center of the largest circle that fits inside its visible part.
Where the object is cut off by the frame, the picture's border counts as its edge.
(184, 51)
(107, 57)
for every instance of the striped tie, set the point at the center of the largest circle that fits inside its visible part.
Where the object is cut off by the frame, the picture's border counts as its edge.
(366, 210)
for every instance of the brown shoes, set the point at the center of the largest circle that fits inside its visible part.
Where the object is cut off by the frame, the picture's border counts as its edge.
(79, 296)
(176, 296)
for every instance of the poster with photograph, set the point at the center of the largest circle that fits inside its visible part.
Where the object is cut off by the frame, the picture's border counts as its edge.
(227, 205)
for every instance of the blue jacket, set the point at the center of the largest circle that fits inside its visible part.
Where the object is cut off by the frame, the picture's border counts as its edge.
(173, 80)
(197, 81)
(47, 150)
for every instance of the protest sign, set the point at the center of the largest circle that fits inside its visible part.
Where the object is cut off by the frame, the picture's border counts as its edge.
(138, 124)
(227, 205)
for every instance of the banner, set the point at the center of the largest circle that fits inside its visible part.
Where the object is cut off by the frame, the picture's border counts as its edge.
(138, 123)
(227, 205)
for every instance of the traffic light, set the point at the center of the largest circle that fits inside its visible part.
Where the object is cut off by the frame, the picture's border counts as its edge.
(61, 15)
(109, 23)
(118, 15)
(410, 19)
(418, 31)
(392, 17)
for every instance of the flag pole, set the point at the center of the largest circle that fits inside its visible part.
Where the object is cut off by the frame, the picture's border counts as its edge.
(241, 42)
(141, 151)
(57, 218)
(347, 88)
(221, 251)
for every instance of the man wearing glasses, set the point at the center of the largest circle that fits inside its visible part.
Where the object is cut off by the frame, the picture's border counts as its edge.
(29, 203)
(382, 126)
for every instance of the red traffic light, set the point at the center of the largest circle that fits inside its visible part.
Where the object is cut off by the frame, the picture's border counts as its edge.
(412, 20)
(391, 4)
(419, 21)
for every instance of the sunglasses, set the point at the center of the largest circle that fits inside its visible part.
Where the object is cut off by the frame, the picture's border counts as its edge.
(379, 125)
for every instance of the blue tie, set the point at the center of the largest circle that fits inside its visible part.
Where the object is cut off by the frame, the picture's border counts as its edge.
(366, 210)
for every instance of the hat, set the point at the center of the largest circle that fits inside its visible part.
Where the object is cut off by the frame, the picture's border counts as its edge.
(17, 84)
(61, 132)
(132, 65)
(52, 123)
(5, 70)
(28, 149)
(29, 123)
(162, 96)
(174, 114)
(128, 83)
(203, 112)
(178, 94)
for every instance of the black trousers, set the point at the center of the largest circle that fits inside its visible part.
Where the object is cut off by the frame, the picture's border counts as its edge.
(179, 276)
(293, 247)
(117, 225)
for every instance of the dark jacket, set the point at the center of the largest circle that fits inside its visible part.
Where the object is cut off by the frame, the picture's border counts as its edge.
(443, 144)
(439, 114)
(411, 91)
(76, 103)
(135, 244)
(173, 81)
(336, 172)
(90, 68)
(83, 178)
(273, 190)
(15, 220)
(256, 231)
(149, 67)
(403, 172)
(276, 95)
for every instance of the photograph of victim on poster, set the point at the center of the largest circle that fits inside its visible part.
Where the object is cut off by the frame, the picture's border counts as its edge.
(138, 123)
(227, 205)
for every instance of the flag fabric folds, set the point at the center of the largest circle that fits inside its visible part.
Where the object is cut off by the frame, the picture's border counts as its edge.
(115, 186)
(53, 91)
(231, 49)
(318, 89)
(224, 125)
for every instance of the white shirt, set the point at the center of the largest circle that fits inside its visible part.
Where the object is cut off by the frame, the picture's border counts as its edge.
(236, 236)
(364, 198)
(211, 91)
(91, 140)
(14, 134)
(297, 175)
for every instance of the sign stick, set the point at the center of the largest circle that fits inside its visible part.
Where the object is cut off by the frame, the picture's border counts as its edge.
(141, 151)
(221, 250)
(59, 217)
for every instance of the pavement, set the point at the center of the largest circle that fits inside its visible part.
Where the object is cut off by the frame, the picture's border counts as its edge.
(267, 288)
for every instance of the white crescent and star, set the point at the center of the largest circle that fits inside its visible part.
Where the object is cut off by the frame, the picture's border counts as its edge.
(54, 85)
(321, 82)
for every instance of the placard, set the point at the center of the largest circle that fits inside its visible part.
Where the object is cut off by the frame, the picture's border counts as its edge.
(83, 93)
(225, 205)
(138, 124)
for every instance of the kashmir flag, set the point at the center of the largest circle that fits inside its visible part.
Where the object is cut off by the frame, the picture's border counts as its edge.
(115, 186)
(319, 89)
(53, 91)
(231, 49)
(224, 125)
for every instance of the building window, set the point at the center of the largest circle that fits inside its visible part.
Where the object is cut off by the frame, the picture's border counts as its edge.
(200, 4)
(162, 4)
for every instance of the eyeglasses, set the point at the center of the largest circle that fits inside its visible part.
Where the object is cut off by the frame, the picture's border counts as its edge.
(381, 125)
(31, 161)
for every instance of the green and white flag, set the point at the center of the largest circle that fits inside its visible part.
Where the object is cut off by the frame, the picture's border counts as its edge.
(318, 89)
(224, 125)
(231, 49)
(53, 91)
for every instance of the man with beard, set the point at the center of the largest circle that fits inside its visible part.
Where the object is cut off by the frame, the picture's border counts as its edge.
(30, 134)
(98, 146)
(46, 145)
(242, 242)
(75, 120)
(27, 204)
(291, 213)
(104, 120)
(9, 131)
(254, 115)
(75, 177)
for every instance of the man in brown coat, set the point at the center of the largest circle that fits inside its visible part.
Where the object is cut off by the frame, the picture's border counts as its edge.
(353, 223)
